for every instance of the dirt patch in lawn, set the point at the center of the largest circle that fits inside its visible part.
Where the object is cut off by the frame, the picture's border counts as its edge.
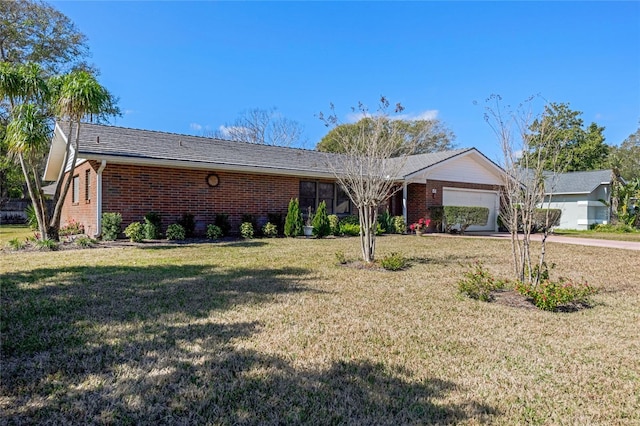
(512, 298)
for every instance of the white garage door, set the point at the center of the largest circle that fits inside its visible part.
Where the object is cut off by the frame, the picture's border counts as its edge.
(474, 198)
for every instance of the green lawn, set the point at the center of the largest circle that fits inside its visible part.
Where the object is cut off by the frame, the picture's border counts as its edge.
(9, 232)
(616, 236)
(273, 332)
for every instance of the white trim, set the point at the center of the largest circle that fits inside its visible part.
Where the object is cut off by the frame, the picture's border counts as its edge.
(404, 201)
(99, 198)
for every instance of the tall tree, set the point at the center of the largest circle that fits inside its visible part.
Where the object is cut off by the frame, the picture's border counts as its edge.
(416, 136)
(34, 32)
(529, 180)
(577, 148)
(626, 157)
(366, 169)
(262, 126)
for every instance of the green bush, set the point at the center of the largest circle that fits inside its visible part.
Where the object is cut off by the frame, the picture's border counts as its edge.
(188, 222)
(349, 229)
(320, 222)
(111, 226)
(351, 219)
(465, 216)
(47, 244)
(175, 231)
(334, 223)
(621, 228)
(270, 230)
(293, 221)
(399, 225)
(394, 262)
(540, 219)
(152, 226)
(341, 258)
(436, 214)
(214, 232)
(221, 220)
(32, 219)
(478, 283)
(278, 220)
(249, 218)
(84, 241)
(135, 232)
(246, 230)
(550, 295)
(73, 227)
(386, 222)
(15, 244)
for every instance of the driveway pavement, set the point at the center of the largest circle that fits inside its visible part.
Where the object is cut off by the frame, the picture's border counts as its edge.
(626, 245)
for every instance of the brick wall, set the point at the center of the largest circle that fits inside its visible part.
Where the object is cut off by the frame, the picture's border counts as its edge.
(84, 210)
(134, 191)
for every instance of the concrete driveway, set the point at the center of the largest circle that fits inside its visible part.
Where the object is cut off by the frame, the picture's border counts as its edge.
(626, 245)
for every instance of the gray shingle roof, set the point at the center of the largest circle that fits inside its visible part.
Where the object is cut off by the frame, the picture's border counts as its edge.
(100, 141)
(579, 182)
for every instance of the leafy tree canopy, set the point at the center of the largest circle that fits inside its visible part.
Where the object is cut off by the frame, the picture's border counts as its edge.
(626, 157)
(411, 136)
(578, 148)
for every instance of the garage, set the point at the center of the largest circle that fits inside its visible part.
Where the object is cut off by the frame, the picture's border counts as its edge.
(474, 198)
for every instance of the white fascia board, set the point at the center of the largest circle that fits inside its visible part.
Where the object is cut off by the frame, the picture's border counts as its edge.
(421, 175)
(55, 159)
(178, 164)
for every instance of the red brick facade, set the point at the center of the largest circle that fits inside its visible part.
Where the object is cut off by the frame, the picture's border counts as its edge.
(134, 191)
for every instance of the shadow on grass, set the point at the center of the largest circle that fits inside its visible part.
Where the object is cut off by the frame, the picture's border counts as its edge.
(139, 345)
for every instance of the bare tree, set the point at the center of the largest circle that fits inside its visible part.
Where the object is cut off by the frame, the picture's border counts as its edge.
(365, 169)
(527, 187)
(261, 126)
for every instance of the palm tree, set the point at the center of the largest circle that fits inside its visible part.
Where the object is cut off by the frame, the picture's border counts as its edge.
(78, 96)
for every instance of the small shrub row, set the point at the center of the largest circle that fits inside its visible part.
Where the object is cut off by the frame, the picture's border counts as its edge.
(394, 262)
(478, 283)
(464, 217)
(551, 295)
(73, 227)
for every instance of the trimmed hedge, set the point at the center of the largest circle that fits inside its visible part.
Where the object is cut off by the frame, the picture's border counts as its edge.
(465, 216)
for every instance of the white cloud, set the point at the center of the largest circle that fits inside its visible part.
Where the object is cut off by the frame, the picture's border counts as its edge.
(195, 126)
(430, 114)
(231, 131)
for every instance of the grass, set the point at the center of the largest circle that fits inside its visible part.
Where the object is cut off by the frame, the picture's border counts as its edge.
(616, 236)
(273, 331)
(9, 232)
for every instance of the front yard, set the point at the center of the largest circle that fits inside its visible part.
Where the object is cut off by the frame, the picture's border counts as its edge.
(274, 332)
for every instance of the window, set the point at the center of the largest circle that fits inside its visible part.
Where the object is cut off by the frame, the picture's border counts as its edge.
(313, 193)
(75, 189)
(87, 185)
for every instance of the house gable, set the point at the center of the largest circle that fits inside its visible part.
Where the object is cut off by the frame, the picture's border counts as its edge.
(469, 166)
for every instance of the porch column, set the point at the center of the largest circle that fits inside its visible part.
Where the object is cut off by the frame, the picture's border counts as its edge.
(99, 198)
(404, 201)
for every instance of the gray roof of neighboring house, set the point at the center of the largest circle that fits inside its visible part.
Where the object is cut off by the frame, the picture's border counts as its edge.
(110, 142)
(578, 182)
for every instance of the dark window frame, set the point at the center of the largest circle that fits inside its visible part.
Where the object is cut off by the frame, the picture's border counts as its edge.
(338, 197)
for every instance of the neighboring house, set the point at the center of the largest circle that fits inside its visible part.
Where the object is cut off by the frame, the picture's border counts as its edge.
(135, 172)
(583, 197)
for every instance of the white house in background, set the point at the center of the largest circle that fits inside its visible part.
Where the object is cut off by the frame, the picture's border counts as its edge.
(580, 196)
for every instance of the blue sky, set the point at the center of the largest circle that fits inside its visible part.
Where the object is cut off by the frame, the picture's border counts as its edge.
(185, 67)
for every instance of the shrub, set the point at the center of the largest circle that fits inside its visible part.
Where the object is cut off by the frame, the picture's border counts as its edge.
(478, 283)
(465, 216)
(176, 232)
(550, 295)
(340, 257)
(246, 230)
(32, 219)
(351, 219)
(293, 221)
(249, 218)
(270, 230)
(15, 244)
(420, 226)
(278, 220)
(189, 224)
(47, 244)
(135, 232)
(618, 227)
(84, 241)
(152, 226)
(349, 229)
(436, 214)
(539, 219)
(214, 232)
(334, 224)
(320, 222)
(394, 262)
(111, 226)
(399, 226)
(221, 220)
(73, 227)
(386, 222)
